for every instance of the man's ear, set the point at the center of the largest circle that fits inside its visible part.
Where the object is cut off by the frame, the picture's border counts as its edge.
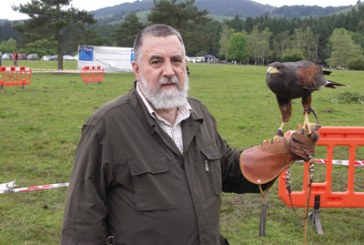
(136, 70)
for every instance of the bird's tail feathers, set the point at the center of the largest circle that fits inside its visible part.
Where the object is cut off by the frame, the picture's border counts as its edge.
(332, 84)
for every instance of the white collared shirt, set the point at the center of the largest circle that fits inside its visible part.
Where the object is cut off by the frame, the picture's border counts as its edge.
(174, 131)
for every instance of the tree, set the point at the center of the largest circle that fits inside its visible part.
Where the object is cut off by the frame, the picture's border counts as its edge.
(224, 40)
(305, 40)
(7, 32)
(344, 49)
(238, 47)
(8, 46)
(281, 42)
(292, 55)
(310, 45)
(41, 47)
(212, 32)
(258, 42)
(104, 34)
(129, 28)
(186, 18)
(49, 20)
(237, 24)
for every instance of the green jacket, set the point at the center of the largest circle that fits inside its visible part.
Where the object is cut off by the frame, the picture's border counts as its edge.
(131, 182)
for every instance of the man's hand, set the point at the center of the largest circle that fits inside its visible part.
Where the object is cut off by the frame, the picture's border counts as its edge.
(263, 163)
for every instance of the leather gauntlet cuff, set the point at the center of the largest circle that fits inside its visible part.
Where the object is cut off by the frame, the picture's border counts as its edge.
(262, 164)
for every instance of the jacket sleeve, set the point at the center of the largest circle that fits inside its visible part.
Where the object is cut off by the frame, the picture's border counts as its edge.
(232, 178)
(85, 210)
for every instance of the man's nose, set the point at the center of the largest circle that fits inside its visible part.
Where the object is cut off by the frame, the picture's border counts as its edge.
(168, 69)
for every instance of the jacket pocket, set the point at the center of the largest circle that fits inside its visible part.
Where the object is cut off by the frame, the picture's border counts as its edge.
(152, 183)
(212, 167)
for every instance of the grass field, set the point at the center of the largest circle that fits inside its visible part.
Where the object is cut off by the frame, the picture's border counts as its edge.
(40, 128)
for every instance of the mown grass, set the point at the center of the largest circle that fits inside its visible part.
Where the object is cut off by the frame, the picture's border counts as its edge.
(40, 128)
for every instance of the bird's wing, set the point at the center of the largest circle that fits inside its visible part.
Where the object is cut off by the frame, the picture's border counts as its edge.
(310, 77)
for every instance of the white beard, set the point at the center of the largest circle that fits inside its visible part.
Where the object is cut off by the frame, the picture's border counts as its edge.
(171, 98)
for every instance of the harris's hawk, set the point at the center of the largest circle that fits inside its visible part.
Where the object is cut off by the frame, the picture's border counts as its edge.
(290, 80)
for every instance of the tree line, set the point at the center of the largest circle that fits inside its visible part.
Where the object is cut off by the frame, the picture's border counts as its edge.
(53, 28)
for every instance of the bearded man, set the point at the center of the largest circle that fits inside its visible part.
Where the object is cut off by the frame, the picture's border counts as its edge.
(150, 166)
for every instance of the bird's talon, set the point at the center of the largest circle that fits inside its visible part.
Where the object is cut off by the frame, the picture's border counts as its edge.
(280, 132)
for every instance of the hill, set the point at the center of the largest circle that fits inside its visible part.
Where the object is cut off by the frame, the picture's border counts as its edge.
(222, 8)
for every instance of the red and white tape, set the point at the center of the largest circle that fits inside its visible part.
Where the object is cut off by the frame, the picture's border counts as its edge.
(15, 68)
(9, 187)
(38, 70)
(357, 163)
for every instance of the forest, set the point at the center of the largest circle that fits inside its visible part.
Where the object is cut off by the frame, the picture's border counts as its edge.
(335, 40)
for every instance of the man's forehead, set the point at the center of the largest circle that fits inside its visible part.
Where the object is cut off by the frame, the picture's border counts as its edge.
(170, 45)
(159, 38)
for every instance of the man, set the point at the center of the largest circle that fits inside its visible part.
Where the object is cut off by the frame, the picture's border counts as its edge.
(150, 165)
(15, 58)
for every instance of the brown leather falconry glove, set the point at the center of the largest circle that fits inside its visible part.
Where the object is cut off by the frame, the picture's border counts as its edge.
(263, 163)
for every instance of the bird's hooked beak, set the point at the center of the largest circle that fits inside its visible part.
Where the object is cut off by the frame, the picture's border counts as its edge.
(272, 70)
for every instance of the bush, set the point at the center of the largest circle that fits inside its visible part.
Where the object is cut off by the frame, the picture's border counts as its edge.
(292, 55)
(356, 64)
(349, 98)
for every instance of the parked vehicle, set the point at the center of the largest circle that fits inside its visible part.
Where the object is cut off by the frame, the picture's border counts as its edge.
(53, 57)
(22, 56)
(7, 56)
(46, 57)
(33, 57)
(68, 57)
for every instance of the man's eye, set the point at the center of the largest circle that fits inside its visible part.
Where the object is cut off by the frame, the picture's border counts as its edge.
(155, 62)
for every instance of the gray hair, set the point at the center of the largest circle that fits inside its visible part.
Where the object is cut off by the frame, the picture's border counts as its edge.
(156, 30)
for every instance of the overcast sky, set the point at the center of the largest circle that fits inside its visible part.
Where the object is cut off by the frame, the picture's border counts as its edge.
(6, 11)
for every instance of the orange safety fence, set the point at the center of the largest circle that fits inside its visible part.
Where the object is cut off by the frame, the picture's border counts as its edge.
(351, 138)
(92, 74)
(15, 76)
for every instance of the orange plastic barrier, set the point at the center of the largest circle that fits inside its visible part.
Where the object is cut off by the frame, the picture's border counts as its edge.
(351, 137)
(15, 76)
(92, 74)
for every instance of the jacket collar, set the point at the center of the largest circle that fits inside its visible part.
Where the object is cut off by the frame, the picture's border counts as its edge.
(141, 109)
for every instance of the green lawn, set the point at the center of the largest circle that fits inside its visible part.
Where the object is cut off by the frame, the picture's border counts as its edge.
(40, 128)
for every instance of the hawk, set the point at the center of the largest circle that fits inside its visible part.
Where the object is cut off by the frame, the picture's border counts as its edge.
(291, 80)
